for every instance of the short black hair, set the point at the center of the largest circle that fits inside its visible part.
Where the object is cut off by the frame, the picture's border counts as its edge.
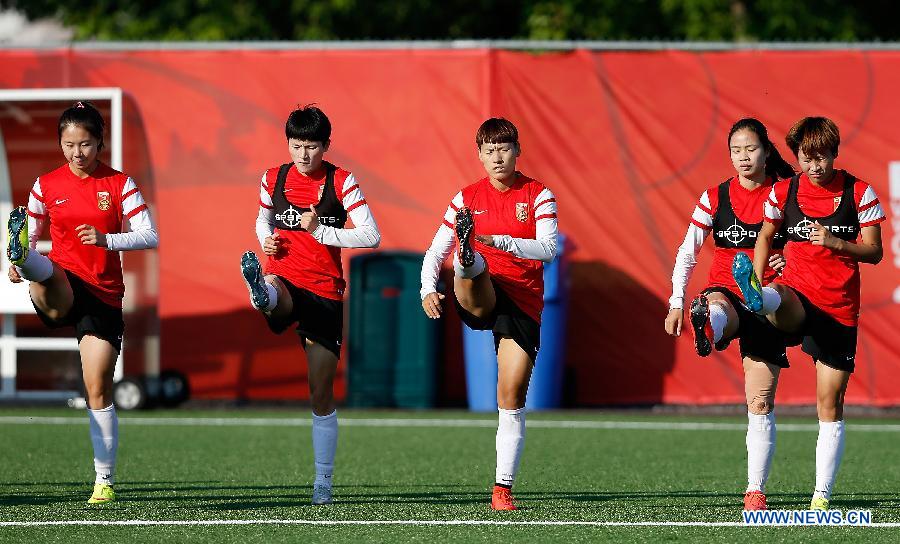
(308, 123)
(497, 130)
(85, 115)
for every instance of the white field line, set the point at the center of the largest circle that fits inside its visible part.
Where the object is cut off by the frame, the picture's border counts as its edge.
(394, 522)
(436, 423)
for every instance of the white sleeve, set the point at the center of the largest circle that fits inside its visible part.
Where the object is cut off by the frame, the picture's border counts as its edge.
(141, 232)
(37, 214)
(441, 246)
(771, 210)
(869, 209)
(364, 232)
(686, 259)
(265, 220)
(544, 246)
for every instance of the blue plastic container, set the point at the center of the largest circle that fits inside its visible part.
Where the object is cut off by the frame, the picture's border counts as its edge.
(545, 389)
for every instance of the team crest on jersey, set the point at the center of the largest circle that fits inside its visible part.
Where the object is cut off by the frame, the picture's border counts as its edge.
(837, 202)
(522, 211)
(103, 200)
(321, 192)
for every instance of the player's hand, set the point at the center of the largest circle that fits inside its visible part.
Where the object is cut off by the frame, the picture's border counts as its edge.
(14, 275)
(485, 239)
(820, 236)
(432, 305)
(271, 244)
(674, 321)
(309, 221)
(777, 262)
(90, 236)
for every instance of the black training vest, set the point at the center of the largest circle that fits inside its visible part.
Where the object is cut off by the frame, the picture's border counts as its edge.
(329, 208)
(730, 232)
(843, 222)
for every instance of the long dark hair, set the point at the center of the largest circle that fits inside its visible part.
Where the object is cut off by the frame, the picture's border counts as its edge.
(776, 166)
(85, 115)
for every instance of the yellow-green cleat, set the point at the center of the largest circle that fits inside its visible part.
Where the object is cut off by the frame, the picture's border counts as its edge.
(17, 250)
(819, 503)
(103, 493)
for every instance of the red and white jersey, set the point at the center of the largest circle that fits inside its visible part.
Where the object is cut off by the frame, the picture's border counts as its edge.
(828, 279)
(523, 223)
(748, 206)
(312, 261)
(105, 200)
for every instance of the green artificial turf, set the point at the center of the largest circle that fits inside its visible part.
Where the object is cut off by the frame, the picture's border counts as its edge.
(262, 470)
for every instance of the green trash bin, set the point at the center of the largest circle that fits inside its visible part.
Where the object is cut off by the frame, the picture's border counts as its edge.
(393, 345)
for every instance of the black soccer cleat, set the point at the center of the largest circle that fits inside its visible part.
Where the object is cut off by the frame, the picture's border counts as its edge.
(17, 250)
(464, 227)
(703, 334)
(253, 277)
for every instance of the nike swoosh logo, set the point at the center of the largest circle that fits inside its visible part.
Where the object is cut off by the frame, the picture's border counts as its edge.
(286, 190)
(62, 201)
(479, 212)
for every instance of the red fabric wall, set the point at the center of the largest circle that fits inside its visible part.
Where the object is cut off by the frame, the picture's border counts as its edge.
(626, 140)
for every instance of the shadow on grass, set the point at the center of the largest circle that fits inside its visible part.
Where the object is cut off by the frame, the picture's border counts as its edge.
(212, 495)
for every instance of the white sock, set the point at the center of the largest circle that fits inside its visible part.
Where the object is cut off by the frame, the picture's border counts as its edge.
(771, 300)
(717, 320)
(273, 297)
(324, 438)
(829, 450)
(760, 449)
(510, 441)
(469, 272)
(105, 439)
(36, 267)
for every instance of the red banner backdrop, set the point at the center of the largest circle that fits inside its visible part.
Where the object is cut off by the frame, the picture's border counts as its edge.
(626, 140)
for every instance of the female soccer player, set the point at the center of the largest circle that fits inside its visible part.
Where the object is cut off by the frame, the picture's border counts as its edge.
(94, 212)
(303, 206)
(505, 227)
(732, 212)
(832, 224)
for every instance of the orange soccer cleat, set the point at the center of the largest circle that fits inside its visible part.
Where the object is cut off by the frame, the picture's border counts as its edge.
(754, 500)
(502, 499)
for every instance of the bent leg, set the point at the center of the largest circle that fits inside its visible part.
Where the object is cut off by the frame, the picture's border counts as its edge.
(476, 295)
(53, 296)
(790, 315)
(723, 317)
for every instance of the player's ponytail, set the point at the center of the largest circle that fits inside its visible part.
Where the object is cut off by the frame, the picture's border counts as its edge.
(83, 114)
(776, 166)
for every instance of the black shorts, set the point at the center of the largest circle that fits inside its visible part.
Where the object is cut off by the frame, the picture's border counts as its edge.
(508, 320)
(827, 340)
(318, 319)
(757, 337)
(89, 315)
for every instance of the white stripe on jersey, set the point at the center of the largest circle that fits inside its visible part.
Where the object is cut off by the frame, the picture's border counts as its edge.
(873, 213)
(773, 213)
(700, 215)
(35, 206)
(545, 204)
(264, 191)
(351, 197)
(134, 201)
(450, 215)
